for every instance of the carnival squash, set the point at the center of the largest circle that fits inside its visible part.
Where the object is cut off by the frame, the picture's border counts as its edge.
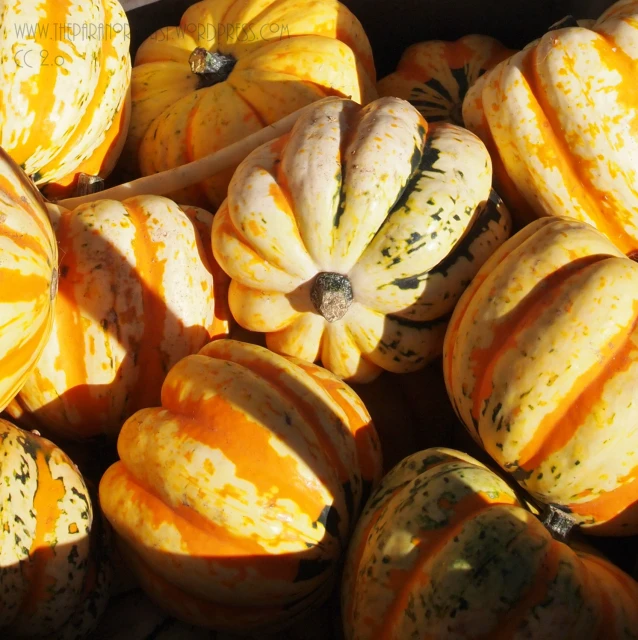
(560, 119)
(445, 550)
(55, 569)
(233, 67)
(350, 239)
(234, 501)
(136, 295)
(28, 277)
(50, 123)
(541, 365)
(434, 76)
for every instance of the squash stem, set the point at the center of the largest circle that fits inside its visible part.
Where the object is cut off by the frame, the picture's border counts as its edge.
(210, 66)
(331, 295)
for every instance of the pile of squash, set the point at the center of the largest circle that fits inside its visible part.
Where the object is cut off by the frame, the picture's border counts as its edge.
(288, 351)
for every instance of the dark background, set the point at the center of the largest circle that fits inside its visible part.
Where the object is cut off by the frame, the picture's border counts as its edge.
(392, 25)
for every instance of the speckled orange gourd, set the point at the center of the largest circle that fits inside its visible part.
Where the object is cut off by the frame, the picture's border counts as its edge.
(137, 293)
(444, 550)
(560, 119)
(541, 365)
(234, 501)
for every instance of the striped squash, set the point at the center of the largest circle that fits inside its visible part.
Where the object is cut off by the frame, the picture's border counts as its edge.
(55, 569)
(234, 501)
(560, 121)
(136, 296)
(28, 277)
(233, 67)
(434, 76)
(541, 364)
(350, 239)
(445, 550)
(50, 123)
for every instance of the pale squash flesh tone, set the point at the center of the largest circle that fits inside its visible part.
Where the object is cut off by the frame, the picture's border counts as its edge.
(560, 119)
(274, 58)
(50, 123)
(136, 294)
(350, 239)
(445, 550)
(28, 277)
(55, 570)
(234, 501)
(435, 75)
(541, 364)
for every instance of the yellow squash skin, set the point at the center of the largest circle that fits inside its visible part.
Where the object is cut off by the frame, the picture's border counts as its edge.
(541, 365)
(234, 501)
(444, 550)
(395, 207)
(136, 295)
(55, 570)
(434, 76)
(288, 54)
(28, 277)
(561, 121)
(50, 123)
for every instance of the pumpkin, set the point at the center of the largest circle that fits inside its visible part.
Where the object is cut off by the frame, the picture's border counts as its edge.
(434, 76)
(28, 277)
(136, 295)
(560, 118)
(444, 549)
(234, 501)
(233, 67)
(51, 124)
(54, 550)
(541, 363)
(350, 239)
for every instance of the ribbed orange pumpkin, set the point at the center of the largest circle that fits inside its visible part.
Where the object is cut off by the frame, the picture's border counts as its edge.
(52, 124)
(445, 550)
(234, 501)
(233, 67)
(28, 277)
(55, 570)
(434, 76)
(541, 364)
(560, 119)
(136, 295)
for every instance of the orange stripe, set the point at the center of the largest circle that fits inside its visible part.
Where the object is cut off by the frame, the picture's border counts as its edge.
(557, 428)
(22, 287)
(48, 494)
(484, 361)
(151, 359)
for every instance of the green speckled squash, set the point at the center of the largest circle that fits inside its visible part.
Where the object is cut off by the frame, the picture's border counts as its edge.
(444, 550)
(350, 239)
(55, 570)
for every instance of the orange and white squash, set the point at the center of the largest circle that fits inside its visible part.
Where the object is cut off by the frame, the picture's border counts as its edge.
(233, 67)
(55, 570)
(28, 277)
(234, 501)
(435, 75)
(541, 365)
(136, 294)
(350, 239)
(50, 123)
(560, 121)
(444, 549)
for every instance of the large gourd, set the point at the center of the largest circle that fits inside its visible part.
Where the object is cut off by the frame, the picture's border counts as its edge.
(560, 119)
(28, 277)
(350, 239)
(136, 294)
(445, 550)
(541, 365)
(234, 501)
(52, 125)
(233, 67)
(55, 570)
